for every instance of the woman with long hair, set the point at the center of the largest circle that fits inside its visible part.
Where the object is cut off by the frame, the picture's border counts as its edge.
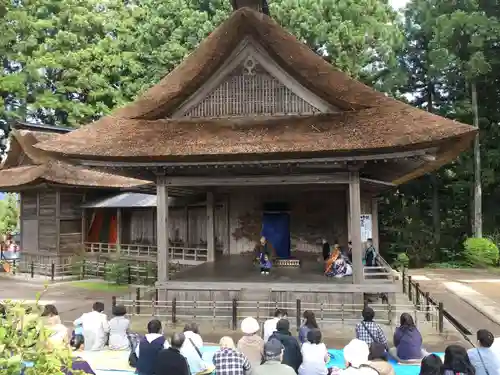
(457, 362)
(308, 323)
(407, 341)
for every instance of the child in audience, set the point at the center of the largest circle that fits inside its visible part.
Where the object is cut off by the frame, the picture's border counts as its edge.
(119, 329)
(431, 365)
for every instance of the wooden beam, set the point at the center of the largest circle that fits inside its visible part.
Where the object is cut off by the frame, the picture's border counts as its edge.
(334, 159)
(355, 211)
(84, 221)
(210, 226)
(375, 233)
(118, 229)
(162, 230)
(377, 182)
(335, 178)
(58, 220)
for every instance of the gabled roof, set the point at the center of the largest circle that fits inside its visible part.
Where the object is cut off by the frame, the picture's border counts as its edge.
(368, 121)
(42, 168)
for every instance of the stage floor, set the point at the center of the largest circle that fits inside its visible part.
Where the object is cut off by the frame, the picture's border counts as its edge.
(241, 269)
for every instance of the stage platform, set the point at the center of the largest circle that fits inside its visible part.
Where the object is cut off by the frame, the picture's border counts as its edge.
(237, 272)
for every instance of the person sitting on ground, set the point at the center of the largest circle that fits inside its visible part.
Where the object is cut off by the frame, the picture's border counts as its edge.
(309, 323)
(119, 329)
(314, 355)
(292, 355)
(273, 356)
(270, 324)
(228, 361)
(431, 365)
(251, 344)
(58, 333)
(378, 359)
(170, 361)
(369, 331)
(484, 360)
(330, 262)
(407, 341)
(95, 327)
(456, 361)
(356, 359)
(191, 350)
(149, 347)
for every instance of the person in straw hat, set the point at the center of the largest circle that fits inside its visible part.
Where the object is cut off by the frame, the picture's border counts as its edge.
(251, 344)
(356, 359)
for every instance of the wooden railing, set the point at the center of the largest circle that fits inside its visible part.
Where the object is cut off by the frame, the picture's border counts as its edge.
(182, 255)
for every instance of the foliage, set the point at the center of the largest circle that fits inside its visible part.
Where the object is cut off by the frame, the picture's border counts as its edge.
(480, 252)
(9, 214)
(117, 272)
(402, 261)
(99, 286)
(23, 338)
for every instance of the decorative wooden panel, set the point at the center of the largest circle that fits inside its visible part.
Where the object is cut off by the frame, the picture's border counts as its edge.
(71, 205)
(178, 226)
(47, 201)
(28, 204)
(72, 226)
(251, 90)
(197, 219)
(70, 243)
(30, 235)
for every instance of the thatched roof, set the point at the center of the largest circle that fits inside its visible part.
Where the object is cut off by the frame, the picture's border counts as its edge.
(38, 167)
(369, 121)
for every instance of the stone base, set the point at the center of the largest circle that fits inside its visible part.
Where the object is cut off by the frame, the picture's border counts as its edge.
(289, 263)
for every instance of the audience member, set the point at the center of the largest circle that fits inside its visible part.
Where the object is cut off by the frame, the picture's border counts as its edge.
(308, 324)
(119, 329)
(170, 361)
(292, 355)
(456, 361)
(431, 365)
(149, 347)
(192, 333)
(251, 344)
(95, 327)
(191, 349)
(270, 324)
(378, 359)
(407, 341)
(314, 355)
(356, 359)
(228, 361)
(58, 333)
(273, 356)
(484, 360)
(369, 331)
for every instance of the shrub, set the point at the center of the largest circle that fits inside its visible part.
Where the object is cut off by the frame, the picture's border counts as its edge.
(24, 339)
(480, 252)
(402, 261)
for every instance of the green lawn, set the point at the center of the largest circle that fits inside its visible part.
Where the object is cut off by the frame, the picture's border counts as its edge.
(100, 286)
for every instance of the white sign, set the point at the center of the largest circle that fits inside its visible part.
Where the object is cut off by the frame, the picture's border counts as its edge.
(366, 227)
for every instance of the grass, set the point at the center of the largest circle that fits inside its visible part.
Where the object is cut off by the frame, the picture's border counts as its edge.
(98, 286)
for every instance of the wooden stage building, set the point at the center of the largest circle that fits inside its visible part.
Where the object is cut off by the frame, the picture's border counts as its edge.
(255, 134)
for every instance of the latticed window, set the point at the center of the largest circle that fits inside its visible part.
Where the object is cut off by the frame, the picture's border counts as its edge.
(251, 90)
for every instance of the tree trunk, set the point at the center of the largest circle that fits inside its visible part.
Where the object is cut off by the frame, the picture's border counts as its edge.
(436, 219)
(477, 229)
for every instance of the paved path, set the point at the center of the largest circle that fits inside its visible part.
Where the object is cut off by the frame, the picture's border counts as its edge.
(469, 295)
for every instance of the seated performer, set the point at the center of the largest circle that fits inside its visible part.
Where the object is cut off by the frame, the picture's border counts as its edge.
(332, 258)
(264, 247)
(337, 265)
(265, 264)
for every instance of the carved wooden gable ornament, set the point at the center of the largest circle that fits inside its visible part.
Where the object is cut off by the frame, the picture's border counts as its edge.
(250, 83)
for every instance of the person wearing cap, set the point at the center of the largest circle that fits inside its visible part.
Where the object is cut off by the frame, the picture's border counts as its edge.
(292, 355)
(356, 359)
(273, 357)
(251, 344)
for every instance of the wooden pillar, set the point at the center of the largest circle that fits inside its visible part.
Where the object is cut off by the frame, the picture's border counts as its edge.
(355, 210)
(348, 216)
(118, 229)
(186, 226)
(210, 227)
(58, 220)
(375, 236)
(84, 222)
(162, 228)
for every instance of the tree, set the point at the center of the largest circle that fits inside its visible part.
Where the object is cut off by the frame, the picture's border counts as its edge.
(9, 214)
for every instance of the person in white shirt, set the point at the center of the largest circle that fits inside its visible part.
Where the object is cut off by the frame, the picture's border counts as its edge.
(270, 324)
(95, 327)
(314, 355)
(191, 350)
